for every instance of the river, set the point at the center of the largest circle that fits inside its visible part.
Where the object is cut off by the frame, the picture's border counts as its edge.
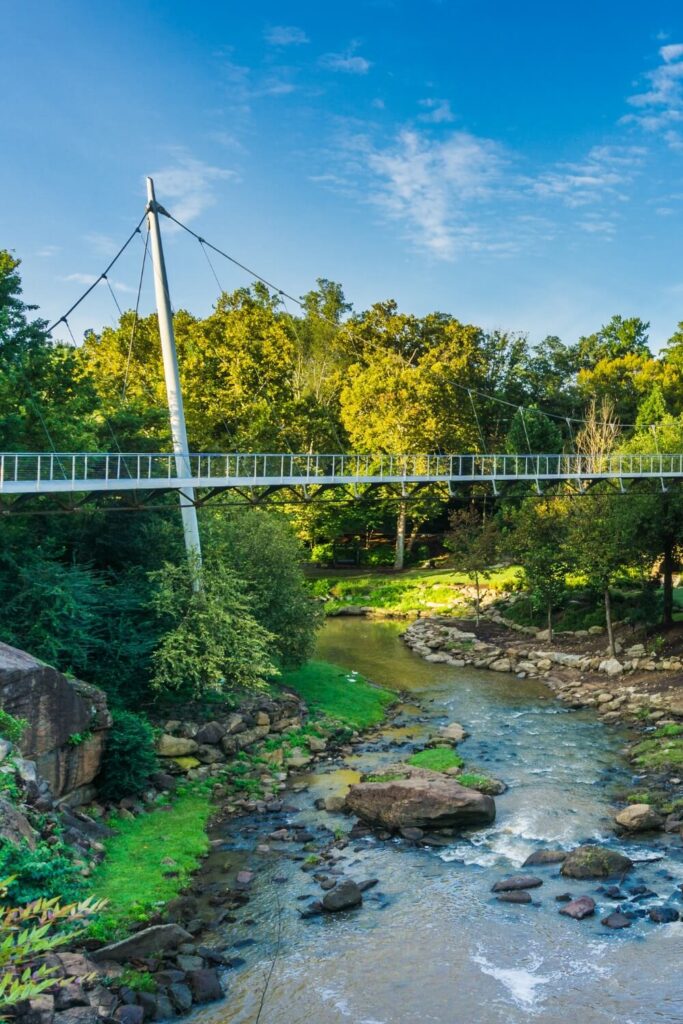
(430, 943)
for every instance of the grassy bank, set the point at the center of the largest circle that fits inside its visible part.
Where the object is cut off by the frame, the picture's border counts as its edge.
(149, 861)
(151, 857)
(333, 693)
(406, 592)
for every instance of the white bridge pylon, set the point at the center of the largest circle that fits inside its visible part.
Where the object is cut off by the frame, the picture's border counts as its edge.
(34, 473)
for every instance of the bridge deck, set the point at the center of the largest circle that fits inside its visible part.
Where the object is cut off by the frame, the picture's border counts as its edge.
(54, 473)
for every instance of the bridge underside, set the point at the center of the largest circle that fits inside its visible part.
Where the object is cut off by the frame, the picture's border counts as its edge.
(65, 497)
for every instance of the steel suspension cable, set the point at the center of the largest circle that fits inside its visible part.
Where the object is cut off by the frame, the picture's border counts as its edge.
(102, 276)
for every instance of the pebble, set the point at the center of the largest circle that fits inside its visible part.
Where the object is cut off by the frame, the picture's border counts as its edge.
(517, 896)
(517, 882)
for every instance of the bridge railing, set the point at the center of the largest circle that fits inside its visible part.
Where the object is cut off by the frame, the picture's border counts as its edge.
(243, 468)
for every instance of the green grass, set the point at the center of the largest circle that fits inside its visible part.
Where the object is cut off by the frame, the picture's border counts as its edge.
(341, 696)
(438, 759)
(472, 780)
(401, 593)
(133, 877)
(664, 752)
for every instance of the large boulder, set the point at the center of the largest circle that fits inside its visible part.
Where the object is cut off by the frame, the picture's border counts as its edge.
(145, 943)
(595, 862)
(14, 826)
(66, 719)
(639, 818)
(408, 797)
(175, 746)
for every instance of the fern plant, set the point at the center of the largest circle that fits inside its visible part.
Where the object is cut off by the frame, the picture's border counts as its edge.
(26, 934)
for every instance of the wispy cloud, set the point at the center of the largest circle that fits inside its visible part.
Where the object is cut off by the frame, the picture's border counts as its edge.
(88, 279)
(103, 245)
(348, 61)
(48, 250)
(429, 186)
(437, 111)
(604, 172)
(660, 106)
(187, 186)
(286, 35)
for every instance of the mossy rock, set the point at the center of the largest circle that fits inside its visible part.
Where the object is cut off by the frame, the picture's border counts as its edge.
(186, 764)
(595, 862)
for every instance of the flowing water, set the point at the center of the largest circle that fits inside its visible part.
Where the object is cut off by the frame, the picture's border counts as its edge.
(430, 943)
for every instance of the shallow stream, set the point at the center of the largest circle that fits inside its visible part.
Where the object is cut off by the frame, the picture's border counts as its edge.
(430, 943)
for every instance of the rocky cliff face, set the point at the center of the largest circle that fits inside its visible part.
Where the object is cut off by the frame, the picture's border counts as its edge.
(67, 721)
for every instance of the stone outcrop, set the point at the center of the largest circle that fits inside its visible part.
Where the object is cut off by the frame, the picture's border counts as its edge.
(639, 818)
(149, 941)
(595, 862)
(411, 797)
(67, 720)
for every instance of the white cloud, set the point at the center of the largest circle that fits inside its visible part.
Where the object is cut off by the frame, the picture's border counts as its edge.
(348, 62)
(603, 173)
(430, 186)
(673, 51)
(286, 35)
(48, 250)
(88, 279)
(187, 187)
(103, 245)
(660, 107)
(438, 111)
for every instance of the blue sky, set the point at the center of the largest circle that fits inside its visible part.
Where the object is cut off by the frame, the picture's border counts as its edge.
(518, 165)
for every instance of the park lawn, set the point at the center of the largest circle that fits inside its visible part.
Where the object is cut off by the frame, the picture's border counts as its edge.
(407, 591)
(332, 692)
(140, 858)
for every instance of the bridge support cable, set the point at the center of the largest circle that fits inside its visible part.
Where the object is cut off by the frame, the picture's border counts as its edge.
(188, 510)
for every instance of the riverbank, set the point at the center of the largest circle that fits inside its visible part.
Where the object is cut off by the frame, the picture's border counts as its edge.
(151, 949)
(501, 956)
(638, 688)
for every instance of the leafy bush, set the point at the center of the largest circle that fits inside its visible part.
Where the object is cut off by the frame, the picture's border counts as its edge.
(129, 757)
(322, 554)
(213, 641)
(11, 728)
(47, 871)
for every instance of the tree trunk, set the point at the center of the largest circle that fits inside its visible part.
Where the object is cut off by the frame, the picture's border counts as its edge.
(608, 620)
(400, 536)
(476, 606)
(668, 572)
(550, 620)
(412, 536)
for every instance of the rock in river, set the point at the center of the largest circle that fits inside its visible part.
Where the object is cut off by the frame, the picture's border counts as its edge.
(345, 895)
(579, 908)
(616, 920)
(663, 915)
(519, 896)
(517, 882)
(639, 818)
(408, 797)
(595, 862)
(539, 857)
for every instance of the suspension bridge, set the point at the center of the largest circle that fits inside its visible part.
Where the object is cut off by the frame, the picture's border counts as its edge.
(198, 477)
(117, 472)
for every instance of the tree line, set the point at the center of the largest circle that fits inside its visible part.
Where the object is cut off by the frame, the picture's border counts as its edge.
(100, 593)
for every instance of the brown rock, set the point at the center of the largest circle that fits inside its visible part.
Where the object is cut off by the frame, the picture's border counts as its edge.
(579, 908)
(639, 818)
(145, 943)
(55, 708)
(516, 882)
(14, 826)
(175, 746)
(419, 798)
